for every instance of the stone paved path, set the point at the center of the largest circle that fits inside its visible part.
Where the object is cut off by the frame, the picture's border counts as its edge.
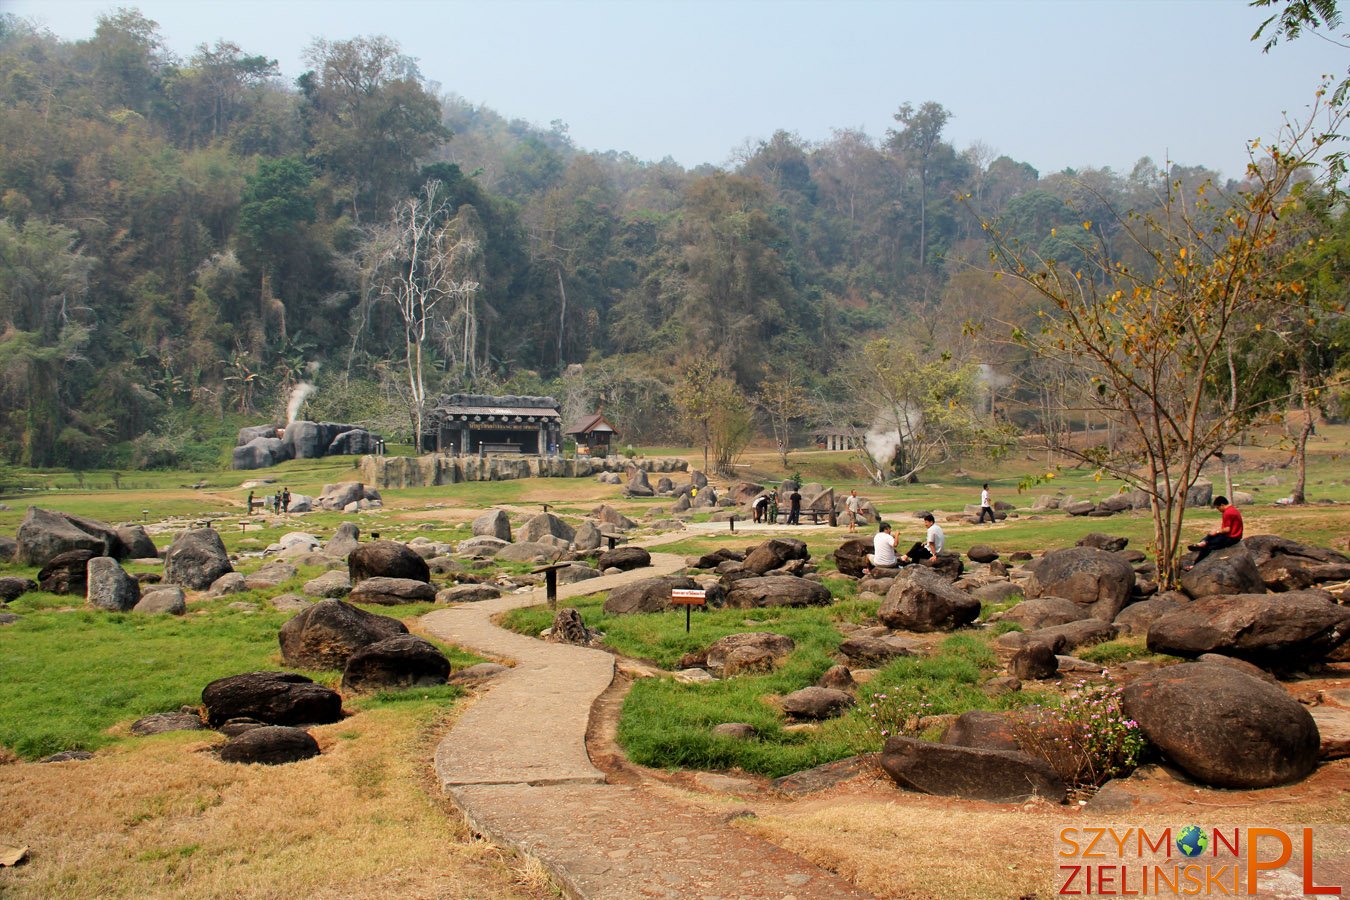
(516, 764)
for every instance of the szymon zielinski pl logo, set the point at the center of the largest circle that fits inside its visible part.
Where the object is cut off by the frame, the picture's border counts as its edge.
(1201, 861)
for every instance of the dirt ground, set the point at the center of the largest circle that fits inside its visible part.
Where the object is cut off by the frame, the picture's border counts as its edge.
(898, 844)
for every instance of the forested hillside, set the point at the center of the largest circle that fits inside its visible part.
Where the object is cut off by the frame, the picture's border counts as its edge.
(184, 241)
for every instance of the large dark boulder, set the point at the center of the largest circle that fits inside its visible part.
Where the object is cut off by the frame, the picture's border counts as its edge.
(400, 661)
(1034, 661)
(392, 592)
(816, 703)
(259, 453)
(195, 559)
(999, 776)
(982, 730)
(1227, 571)
(345, 539)
(109, 586)
(493, 523)
(777, 646)
(851, 557)
(270, 745)
(867, 650)
(921, 600)
(134, 542)
(1224, 727)
(277, 698)
(12, 587)
(1063, 638)
(305, 440)
(1099, 541)
(626, 558)
(776, 590)
(1287, 565)
(1043, 612)
(1279, 630)
(774, 554)
(1096, 580)
(648, 595)
(45, 534)
(66, 573)
(9, 548)
(717, 557)
(325, 635)
(542, 526)
(386, 559)
(1138, 618)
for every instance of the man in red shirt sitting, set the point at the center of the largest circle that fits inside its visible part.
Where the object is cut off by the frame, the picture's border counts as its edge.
(1229, 533)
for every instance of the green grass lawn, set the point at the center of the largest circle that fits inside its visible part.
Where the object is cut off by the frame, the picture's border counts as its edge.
(669, 724)
(71, 673)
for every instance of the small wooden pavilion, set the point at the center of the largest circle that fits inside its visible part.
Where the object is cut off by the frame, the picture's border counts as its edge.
(474, 424)
(593, 434)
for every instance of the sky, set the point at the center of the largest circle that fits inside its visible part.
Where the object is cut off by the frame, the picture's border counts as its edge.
(1055, 83)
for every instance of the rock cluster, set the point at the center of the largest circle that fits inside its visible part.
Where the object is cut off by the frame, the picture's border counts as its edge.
(260, 446)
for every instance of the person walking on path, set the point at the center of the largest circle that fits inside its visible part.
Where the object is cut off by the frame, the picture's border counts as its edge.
(285, 500)
(986, 506)
(851, 506)
(795, 510)
(250, 503)
(1229, 533)
(883, 549)
(930, 546)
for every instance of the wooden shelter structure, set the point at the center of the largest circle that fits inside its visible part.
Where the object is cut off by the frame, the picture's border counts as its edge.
(593, 435)
(477, 424)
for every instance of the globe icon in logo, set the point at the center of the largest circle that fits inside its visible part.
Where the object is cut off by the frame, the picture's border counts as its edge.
(1192, 841)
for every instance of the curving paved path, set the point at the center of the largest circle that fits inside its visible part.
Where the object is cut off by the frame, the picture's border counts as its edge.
(516, 764)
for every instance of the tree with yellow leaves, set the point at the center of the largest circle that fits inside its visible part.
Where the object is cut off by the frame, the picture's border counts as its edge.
(1154, 326)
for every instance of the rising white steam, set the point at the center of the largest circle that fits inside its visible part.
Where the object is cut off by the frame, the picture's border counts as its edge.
(299, 394)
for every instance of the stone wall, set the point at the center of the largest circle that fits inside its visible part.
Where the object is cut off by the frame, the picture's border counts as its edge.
(434, 469)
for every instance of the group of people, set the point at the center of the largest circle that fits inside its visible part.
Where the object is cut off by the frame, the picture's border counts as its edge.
(883, 555)
(765, 507)
(279, 502)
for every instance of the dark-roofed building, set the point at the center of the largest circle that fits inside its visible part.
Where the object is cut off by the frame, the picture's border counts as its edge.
(478, 424)
(593, 435)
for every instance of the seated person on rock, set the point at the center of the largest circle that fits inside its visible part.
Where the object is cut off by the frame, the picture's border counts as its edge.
(1229, 533)
(883, 550)
(931, 545)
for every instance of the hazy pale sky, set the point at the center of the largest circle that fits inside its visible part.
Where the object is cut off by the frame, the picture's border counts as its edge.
(1054, 83)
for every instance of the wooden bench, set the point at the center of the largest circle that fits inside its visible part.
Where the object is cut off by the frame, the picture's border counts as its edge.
(814, 514)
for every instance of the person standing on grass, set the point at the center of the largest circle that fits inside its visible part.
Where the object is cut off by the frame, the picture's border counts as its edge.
(1229, 533)
(851, 506)
(986, 506)
(250, 503)
(883, 550)
(931, 545)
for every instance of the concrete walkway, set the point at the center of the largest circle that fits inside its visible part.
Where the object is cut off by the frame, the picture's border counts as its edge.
(516, 764)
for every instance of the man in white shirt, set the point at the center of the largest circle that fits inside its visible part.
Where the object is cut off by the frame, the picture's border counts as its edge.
(931, 545)
(851, 506)
(883, 549)
(986, 507)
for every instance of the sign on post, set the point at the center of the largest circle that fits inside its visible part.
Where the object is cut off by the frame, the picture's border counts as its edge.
(688, 598)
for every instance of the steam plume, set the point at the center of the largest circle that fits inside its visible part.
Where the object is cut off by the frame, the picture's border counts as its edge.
(299, 394)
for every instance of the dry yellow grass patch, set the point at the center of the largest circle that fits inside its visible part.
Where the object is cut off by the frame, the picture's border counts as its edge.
(156, 819)
(914, 847)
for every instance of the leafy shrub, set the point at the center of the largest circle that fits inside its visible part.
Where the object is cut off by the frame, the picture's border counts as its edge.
(1087, 739)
